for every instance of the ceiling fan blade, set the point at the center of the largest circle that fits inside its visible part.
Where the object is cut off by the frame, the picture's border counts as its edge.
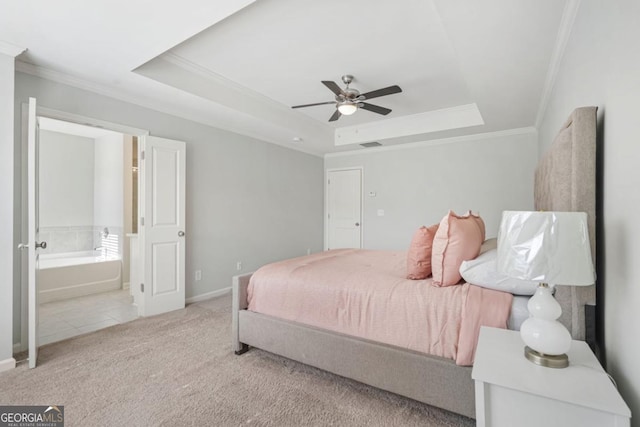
(374, 108)
(382, 92)
(312, 105)
(333, 87)
(335, 116)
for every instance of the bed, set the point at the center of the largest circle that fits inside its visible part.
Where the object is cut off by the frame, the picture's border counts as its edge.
(564, 181)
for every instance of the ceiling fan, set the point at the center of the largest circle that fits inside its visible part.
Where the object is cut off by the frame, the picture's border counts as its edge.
(349, 100)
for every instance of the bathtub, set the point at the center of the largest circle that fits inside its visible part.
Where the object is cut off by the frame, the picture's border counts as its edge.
(73, 274)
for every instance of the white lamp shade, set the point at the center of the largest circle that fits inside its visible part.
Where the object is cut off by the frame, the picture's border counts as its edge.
(549, 247)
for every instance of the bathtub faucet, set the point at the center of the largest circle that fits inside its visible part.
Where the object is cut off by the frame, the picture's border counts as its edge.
(103, 251)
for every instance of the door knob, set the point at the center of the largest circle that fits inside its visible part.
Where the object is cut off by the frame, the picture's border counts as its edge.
(42, 245)
(180, 233)
(357, 224)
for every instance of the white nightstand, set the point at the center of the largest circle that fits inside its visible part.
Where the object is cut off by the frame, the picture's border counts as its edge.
(511, 391)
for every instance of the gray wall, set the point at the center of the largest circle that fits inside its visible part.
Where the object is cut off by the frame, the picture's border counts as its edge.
(9, 257)
(601, 67)
(418, 184)
(66, 180)
(81, 191)
(108, 194)
(108, 188)
(247, 200)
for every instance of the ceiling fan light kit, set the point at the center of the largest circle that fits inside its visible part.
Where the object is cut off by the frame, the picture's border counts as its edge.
(349, 100)
(347, 108)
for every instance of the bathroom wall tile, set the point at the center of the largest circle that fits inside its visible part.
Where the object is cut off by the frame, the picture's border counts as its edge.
(119, 231)
(67, 239)
(115, 234)
(78, 238)
(64, 241)
(97, 235)
(85, 240)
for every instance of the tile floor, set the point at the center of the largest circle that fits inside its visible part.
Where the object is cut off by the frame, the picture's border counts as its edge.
(60, 320)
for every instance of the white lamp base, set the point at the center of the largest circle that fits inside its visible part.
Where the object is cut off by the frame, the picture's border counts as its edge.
(546, 360)
(547, 339)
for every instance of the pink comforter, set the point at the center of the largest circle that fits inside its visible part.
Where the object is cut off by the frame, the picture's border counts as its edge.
(364, 293)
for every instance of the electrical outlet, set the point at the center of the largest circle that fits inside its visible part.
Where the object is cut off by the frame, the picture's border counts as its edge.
(308, 251)
(198, 275)
(239, 265)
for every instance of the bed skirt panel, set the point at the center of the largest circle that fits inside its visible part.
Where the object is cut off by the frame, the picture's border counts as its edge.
(429, 379)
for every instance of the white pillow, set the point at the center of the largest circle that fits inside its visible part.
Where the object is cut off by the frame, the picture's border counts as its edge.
(482, 271)
(519, 312)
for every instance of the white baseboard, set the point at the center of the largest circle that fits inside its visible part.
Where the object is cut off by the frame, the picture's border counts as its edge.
(7, 364)
(126, 285)
(208, 295)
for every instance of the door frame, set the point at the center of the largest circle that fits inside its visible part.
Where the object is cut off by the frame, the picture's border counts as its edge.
(326, 202)
(67, 117)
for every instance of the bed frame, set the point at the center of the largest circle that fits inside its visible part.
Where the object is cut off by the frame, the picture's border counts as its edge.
(564, 181)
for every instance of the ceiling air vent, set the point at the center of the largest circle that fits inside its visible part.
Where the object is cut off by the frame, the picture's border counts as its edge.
(371, 144)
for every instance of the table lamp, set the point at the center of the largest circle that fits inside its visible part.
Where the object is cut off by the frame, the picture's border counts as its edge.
(553, 249)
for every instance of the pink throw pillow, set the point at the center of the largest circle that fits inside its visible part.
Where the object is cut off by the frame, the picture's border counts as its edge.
(459, 238)
(419, 255)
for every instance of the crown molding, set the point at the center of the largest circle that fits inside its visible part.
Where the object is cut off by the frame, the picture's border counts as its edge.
(441, 141)
(82, 84)
(198, 69)
(451, 118)
(10, 49)
(564, 32)
(278, 112)
(79, 83)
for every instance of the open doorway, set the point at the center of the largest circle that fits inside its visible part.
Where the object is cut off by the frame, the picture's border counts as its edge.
(87, 194)
(160, 244)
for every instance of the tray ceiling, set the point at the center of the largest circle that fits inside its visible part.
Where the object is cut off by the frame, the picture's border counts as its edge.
(241, 65)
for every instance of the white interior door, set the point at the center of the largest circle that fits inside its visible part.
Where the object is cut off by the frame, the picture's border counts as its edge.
(33, 243)
(162, 224)
(344, 209)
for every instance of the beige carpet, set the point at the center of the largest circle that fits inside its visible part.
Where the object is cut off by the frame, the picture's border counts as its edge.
(178, 369)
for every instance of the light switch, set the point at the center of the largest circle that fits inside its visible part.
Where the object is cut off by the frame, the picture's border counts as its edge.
(380, 212)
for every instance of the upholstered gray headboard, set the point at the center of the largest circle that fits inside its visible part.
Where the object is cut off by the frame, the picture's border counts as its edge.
(565, 180)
